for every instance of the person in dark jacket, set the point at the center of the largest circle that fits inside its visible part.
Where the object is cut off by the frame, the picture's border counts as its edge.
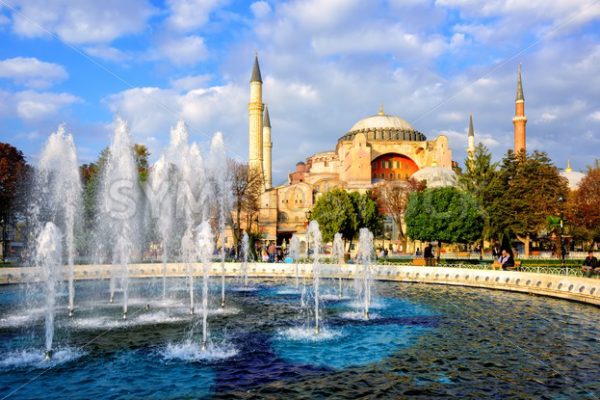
(428, 255)
(506, 260)
(590, 265)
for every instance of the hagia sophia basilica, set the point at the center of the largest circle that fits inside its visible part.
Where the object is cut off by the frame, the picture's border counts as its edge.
(374, 150)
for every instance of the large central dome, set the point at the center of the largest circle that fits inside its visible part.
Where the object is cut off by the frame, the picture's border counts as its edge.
(384, 127)
(381, 121)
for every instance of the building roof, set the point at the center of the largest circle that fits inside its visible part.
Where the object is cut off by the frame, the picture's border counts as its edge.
(266, 119)
(384, 127)
(520, 87)
(471, 130)
(381, 121)
(256, 71)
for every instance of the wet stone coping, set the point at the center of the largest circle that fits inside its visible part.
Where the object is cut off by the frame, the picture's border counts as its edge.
(585, 290)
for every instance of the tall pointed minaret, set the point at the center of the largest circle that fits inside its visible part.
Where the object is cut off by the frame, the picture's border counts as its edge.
(520, 120)
(267, 149)
(255, 120)
(471, 139)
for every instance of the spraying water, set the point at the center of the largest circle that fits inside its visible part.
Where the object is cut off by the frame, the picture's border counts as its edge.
(60, 189)
(338, 257)
(314, 238)
(205, 251)
(222, 195)
(245, 249)
(49, 258)
(295, 254)
(161, 183)
(365, 251)
(188, 256)
(118, 202)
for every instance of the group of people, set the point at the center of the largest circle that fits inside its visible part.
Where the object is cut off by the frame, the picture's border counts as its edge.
(272, 253)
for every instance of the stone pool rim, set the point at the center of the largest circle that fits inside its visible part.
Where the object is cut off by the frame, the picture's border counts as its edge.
(580, 289)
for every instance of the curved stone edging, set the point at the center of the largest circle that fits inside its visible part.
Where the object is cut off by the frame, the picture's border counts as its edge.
(585, 290)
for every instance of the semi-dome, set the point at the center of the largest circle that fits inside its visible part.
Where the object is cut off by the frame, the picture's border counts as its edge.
(384, 127)
(436, 176)
(573, 177)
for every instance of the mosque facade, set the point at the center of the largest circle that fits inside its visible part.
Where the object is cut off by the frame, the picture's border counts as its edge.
(376, 149)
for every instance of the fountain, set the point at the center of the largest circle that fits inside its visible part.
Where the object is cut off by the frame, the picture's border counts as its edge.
(295, 253)
(314, 238)
(337, 254)
(365, 251)
(188, 257)
(409, 324)
(119, 199)
(205, 245)
(245, 250)
(221, 196)
(59, 195)
(162, 203)
(49, 258)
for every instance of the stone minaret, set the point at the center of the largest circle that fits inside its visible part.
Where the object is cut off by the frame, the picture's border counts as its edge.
(267, 149)
(471, 140)
(520, 120)
(255, 120)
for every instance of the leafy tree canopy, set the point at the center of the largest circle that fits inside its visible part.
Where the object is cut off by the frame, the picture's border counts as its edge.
(367, 213)
(443, 214)
(529, 190)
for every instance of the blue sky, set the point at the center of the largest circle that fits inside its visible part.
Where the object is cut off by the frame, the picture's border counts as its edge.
(325, 65)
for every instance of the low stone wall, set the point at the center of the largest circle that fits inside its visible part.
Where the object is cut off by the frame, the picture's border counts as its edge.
(585, 290)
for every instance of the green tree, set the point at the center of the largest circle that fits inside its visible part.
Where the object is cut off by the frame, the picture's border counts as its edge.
(367, 213)
(335, 213)
(529, 189)
(481, 179)
(445, 215)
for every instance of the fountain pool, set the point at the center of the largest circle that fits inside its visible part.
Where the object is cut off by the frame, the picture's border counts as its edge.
(421, 341)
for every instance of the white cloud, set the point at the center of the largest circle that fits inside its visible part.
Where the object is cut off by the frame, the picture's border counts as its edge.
(547, 117)
(190, 82)
(35, 106)
(188, 50)
(31, 72)
(318, 15)
(595, 116)
(260, 9)
(188, 15)
(373, 40)
(83, 21)
(107, 53)
(151, 111)
(512, 18)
